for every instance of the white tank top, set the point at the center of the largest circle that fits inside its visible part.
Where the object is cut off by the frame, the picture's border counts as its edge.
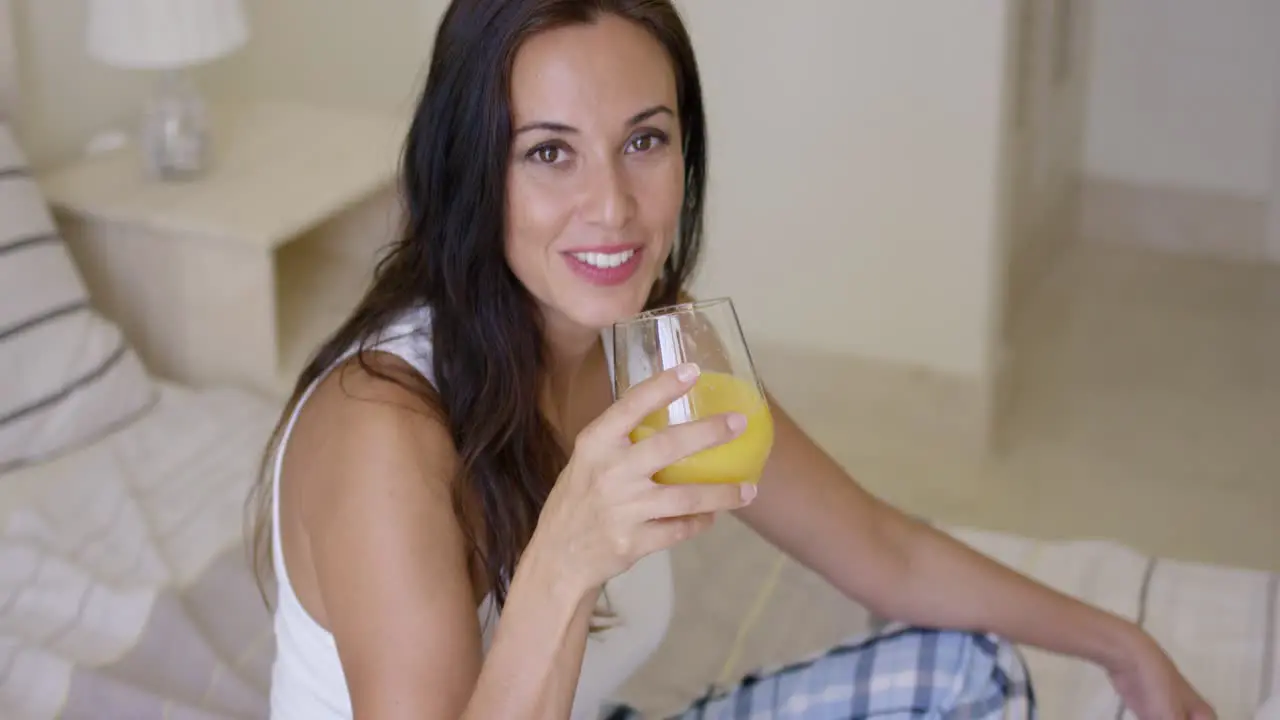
(307, 682)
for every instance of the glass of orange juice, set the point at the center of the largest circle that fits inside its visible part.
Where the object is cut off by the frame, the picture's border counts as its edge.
(706, 333)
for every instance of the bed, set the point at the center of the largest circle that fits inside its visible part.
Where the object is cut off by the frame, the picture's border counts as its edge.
(124, 589)
(125, 593)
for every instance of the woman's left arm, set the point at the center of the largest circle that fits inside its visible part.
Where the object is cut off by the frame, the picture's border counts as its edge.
(905, 570)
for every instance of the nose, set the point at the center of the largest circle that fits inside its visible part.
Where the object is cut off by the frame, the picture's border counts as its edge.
(610, 202)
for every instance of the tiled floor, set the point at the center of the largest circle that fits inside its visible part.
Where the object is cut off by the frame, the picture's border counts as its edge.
(1146, 408)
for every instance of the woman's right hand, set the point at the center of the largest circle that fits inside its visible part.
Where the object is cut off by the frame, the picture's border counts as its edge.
(605, 511)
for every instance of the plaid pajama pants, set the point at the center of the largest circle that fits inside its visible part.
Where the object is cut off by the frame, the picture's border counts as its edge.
(898, 673)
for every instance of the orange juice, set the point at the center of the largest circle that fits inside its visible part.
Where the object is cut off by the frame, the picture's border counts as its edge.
(739, 460)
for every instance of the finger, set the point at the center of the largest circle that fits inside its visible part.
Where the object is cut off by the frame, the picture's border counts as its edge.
(1201, 710)
(676, 501)
(677, 442)
(662, 534)
(644, 398)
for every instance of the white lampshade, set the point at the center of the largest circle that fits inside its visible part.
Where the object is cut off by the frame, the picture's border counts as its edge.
(164, 34)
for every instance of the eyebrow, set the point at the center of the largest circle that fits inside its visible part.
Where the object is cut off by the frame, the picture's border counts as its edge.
(563, 128)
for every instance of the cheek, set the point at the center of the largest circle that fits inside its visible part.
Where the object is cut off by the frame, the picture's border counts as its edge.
(535, 218)
(664, 196)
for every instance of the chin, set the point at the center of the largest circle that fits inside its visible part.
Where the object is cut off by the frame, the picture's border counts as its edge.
(602, 315)
(598, 309)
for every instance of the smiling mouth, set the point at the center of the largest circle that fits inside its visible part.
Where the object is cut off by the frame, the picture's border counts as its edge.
(605, 269)
(604, 261)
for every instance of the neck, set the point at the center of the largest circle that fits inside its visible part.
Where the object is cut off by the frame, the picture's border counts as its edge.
(572, 351)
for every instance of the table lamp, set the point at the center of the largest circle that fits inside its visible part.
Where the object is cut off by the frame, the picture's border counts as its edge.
(168, 36)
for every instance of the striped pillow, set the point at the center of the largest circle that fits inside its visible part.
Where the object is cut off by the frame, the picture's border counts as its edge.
(67, 375)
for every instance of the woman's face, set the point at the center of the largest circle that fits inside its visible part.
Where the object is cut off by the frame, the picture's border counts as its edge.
(596, 178)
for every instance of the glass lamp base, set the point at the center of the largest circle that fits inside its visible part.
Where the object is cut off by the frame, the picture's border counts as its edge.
(175, 130)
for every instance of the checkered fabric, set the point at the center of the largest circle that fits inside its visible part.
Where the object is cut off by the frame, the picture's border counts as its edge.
(898, 673)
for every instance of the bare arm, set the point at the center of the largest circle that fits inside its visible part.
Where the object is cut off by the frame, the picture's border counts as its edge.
(388, 569)
(905, 570)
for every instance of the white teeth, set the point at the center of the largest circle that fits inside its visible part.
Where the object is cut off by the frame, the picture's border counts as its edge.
(605, 261)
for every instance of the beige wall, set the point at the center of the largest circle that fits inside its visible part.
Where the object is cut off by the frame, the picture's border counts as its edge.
(856, 156)
(1183, 132)
(367, 54)
(370, 54)
(1186, 93)
(66, 96)
(857, 148)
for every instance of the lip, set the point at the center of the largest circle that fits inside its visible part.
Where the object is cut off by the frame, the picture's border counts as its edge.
(605, 277)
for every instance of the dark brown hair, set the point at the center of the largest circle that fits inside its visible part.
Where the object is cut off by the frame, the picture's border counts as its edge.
(489, 357)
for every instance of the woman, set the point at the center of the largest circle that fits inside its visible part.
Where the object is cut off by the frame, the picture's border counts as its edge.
(454, 450)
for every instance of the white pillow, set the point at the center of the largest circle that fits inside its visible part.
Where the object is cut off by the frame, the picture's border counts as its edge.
(67, 375)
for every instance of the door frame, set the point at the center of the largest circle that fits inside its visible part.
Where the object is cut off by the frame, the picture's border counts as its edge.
(1272, 246)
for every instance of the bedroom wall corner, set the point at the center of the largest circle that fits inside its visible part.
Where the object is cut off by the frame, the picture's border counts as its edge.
(1183, 147)
(66, 96)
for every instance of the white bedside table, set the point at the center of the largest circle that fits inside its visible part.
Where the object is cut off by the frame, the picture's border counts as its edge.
(235, 277)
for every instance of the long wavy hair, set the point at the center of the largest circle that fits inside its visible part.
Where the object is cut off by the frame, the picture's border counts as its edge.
(489, 353)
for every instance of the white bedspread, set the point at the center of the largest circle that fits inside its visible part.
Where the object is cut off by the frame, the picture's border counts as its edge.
(124, 591)
(1218, 624)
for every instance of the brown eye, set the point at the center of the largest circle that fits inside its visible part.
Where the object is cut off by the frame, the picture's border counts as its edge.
(548, 154)
(645, 142)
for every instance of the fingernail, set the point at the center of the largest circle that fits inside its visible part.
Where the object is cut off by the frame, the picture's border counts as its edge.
(687, 372)
(748, 492)
(737, 422)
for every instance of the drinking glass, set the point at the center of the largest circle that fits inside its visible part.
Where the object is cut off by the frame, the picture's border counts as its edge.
(706, 333)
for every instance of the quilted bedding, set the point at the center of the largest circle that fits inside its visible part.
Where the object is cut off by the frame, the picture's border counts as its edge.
(124, 590)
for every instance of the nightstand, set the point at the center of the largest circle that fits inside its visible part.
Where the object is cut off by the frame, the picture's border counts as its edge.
(236, 277)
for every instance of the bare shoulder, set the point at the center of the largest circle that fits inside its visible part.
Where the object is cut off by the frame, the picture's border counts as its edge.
(368, 433)
(380, 558)
(373, 410)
